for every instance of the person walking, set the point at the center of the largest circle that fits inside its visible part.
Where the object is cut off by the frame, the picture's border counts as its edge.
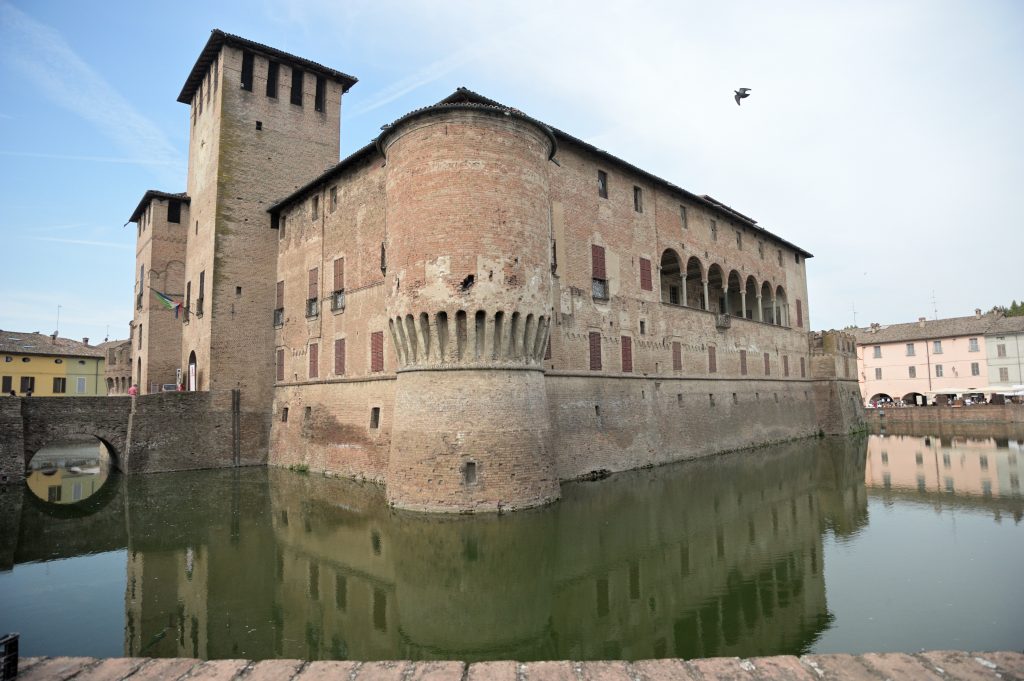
(134, 390)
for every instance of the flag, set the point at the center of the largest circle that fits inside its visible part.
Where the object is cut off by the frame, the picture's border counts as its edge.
(167, 302)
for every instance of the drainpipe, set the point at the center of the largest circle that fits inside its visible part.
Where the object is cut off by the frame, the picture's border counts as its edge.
(928, 360)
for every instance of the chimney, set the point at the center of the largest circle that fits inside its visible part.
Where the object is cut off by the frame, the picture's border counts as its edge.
(53, 336)
(85, 341)
(977, 313)
(921, 321)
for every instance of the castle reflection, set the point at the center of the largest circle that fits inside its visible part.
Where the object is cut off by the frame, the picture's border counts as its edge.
(715, 557)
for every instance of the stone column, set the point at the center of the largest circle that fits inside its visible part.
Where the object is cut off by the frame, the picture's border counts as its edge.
(743, 304)
(760, 310)
(707, 301)
(684, 289)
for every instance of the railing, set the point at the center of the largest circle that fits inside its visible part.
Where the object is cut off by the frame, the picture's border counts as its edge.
(311, 307)
(279, 316)
(338, 300)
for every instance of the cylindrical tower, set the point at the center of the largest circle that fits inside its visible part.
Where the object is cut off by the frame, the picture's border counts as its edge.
(468, 288)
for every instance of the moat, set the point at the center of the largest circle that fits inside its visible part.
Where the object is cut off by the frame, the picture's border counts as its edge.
(877, 543)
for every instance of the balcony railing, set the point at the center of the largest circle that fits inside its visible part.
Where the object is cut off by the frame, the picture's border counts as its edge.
(279, 317)
(311, 307)
(338, 300)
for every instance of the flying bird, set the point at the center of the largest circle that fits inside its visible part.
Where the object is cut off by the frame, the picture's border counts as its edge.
(742, 93)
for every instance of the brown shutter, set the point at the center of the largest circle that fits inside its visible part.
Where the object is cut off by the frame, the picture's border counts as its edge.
(767, 365)
(712, 360)
(627, 354)
(339, 356)
(743, 362)
(597, 263)
(785, 365)
(280, 365)
(377, 351)
(339, 274)
(799, 314)
(313, 276)
(547, 350)
(803, 368)
(677, 356)
(314, 360)
(645, 275)
(280, 294)
(595, 349)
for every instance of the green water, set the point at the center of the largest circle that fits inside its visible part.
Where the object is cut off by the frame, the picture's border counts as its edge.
(823, 545)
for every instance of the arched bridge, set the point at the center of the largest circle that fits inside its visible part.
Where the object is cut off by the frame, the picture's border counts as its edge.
(30, 423)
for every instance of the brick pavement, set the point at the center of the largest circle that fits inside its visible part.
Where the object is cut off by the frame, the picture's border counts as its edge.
(945, 665)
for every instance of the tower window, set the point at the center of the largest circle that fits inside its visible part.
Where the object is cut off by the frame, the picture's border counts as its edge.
(375, 417)
(272, 70)
(602, 184)
(321, 94)
(638, 199)
(297, 75)
(247, 62)
(174, 211)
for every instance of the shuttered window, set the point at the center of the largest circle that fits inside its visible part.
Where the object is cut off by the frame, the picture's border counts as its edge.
(339, 274)
(799, 314)
(595, 351)
(280, 295)
(314, 275)
(785, 365)
(377, 351)
(803, 368)
(712, 360)
(645, 275)
(767, 365)
(314, 360)
(597, 262)
(280, 365)
(339, 356)
(627, 354)
(677, 356)
(743, 362)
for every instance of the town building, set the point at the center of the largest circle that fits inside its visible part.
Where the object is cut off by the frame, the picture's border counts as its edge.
(916, 362)
(474, 306)
(117, 366)
(1004, 345)
(49, 366)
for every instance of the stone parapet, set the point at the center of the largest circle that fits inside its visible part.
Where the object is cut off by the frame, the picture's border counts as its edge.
(947, 665)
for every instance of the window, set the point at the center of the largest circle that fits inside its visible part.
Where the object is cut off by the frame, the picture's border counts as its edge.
(627, 354)
(878, 373)
(938, 371)
(282, 223)
(469, 473)
(643, 327)
(320, 102)
(279, 307)
(785, 365)
(375, 423)
(910, 349)
(714, 231)
(201, 297)
(739, 240)
(7, 385)
(803, 368)
(712, 360)
(638, 199)
(297, 76)
(174, 211)
(314, 360)
(743, 362)
(677, 356)
(140, 336)
(1001, 350)
(273, 68)
(28, 384)
(338, 295)
(377, 351)
(780, 257)
(339, 356)
(314, 207)
(280, 371)
(247, 62)
(313, 294)
(334, 198)
(80, 385)
(188, 300)
(972, 345)
(937, 347)
(767, 365)
(595, 350)
(645, 275)
(602, 184)
(799, 314)
(682, 216)
(911, 372)
(877, 350)
(599, 273)
(60, 385)
(975, 369)
(1004, 374)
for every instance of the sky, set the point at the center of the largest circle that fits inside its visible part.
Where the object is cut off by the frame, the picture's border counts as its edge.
(886, 138)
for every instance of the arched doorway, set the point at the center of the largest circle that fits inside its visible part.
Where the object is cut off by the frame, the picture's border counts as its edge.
(915, 400)
(879, 400)
(671, 279)
(695, 284)
(716, 289)
(750, 292)
(734, 301)
(193, 372)
(767, 304)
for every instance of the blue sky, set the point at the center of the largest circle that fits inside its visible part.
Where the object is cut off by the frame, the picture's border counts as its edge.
(884, 137)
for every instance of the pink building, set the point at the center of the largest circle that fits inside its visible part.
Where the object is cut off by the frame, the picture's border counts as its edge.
(915, 362)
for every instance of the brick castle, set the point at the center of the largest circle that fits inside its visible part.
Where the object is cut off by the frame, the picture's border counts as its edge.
(471, 308)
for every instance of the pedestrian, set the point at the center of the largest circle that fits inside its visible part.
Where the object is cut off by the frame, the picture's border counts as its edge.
(134, 390)
(13, 394)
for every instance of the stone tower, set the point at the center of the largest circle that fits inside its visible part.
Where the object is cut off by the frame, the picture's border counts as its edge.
(261, 122)
(467, 290)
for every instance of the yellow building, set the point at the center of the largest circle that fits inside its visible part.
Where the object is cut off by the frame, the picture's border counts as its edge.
(49, 366)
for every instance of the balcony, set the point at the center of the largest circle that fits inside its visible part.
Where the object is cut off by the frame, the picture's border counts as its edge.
(199, 307)
(312, 310)
(599, 289)
(279, 317)
(723, 322)
(338, 300)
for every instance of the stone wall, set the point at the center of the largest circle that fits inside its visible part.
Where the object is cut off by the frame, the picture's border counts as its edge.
(976, 413)
(49, 420)
(12, 444)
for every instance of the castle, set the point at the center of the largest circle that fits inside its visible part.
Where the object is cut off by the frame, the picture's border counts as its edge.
(471, 308)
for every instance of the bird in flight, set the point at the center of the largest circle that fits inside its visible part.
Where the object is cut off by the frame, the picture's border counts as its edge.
(742, 93)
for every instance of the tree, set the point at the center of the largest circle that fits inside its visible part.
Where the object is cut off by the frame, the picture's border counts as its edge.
(1014, 310)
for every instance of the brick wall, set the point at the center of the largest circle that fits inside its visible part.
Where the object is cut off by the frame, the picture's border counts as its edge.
(976, 413)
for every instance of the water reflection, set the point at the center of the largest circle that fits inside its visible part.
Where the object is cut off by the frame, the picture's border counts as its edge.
(69, 471)
(717, 557)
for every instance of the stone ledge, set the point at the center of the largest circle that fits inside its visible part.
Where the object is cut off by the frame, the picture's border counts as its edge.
(944, 665)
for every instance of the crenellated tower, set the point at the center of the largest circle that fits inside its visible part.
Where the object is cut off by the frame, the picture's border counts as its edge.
(468, 269)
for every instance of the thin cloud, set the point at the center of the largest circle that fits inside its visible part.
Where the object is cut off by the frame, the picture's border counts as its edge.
(46, 60)
(98, 159)
(84, 242)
